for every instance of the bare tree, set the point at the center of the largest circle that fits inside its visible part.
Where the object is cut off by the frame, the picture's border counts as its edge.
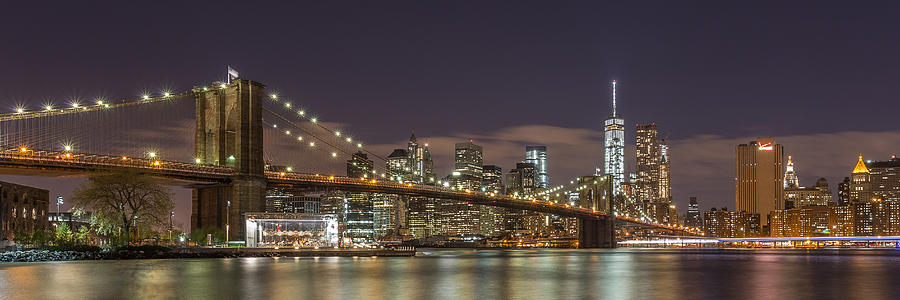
(126, 201)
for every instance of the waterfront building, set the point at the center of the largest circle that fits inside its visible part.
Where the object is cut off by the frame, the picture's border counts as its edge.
(886, 219)
(798, 196)
(759, 169)
(647, 163)
(537, 155)
(23, 209)
(860, 183)
(291, 230)
(726, 224)
(841, 220)
(877, 217)
(422, 218)
(388, 215)
(359, 224)
(614, 146)
(863, 220)
(801, 222)
(693, 217)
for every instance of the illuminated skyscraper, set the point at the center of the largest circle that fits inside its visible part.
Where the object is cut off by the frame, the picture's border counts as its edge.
(459, 217)
(468, 161)
(885, 176)
(647, 164)
(665, 173)
(860, 183)
(416, 159)
(790, 177)
(759, 175)
(537, 155)
(614, 144)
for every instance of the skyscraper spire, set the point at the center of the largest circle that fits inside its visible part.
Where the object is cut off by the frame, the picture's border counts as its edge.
(614, 97)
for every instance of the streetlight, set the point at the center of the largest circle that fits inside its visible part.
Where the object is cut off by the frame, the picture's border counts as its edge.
(171, 215)
(59, 201)
(227, 223)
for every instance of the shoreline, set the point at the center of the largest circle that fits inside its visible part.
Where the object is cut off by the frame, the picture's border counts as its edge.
(183, 253)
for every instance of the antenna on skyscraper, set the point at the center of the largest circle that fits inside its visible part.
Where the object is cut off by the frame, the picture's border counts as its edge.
(614, 96)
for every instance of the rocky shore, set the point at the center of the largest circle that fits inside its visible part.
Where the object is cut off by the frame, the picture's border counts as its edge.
(47, 255)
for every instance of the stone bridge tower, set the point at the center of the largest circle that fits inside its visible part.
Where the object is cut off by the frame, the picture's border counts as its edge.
(230, 133)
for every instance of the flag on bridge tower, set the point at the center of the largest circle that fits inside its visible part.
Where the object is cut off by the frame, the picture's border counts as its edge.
(232, 74)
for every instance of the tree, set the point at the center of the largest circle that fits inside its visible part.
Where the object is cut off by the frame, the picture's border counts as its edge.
(125, 201)
(63, 234)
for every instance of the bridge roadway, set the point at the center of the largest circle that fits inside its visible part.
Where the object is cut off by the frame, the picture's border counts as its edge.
(24, 161)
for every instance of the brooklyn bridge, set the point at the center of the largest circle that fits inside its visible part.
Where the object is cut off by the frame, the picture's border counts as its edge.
(229, 172)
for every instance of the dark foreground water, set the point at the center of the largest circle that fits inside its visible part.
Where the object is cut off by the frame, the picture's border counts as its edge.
(469, 274)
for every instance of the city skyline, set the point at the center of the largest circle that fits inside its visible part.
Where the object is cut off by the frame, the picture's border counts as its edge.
(685, 76)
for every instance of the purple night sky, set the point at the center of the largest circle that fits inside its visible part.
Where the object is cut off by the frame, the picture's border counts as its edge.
(822, 79)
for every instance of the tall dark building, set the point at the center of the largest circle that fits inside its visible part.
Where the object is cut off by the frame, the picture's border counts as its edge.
(694, 217)
(360, 165)
(844, 192)
(491, 180)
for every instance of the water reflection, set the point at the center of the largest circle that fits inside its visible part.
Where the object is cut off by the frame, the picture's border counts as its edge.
(470, 274)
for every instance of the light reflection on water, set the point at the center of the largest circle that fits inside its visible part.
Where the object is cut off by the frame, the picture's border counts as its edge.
(470, 274)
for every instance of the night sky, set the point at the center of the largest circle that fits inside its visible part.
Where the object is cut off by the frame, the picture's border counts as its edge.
(821, 78)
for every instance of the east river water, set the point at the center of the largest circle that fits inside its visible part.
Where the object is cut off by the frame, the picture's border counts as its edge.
(476, 274)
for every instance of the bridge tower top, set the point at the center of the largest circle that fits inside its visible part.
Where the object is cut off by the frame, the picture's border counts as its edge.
(229, 126)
